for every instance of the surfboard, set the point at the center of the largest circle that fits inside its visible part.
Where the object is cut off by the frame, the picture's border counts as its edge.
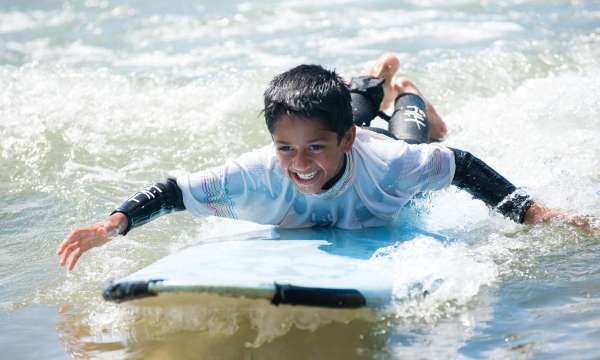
(322, 267)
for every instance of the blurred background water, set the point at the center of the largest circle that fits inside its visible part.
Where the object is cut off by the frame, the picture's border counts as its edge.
(98, 98)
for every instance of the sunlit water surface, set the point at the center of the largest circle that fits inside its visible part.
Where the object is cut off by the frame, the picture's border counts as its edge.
(98, 98)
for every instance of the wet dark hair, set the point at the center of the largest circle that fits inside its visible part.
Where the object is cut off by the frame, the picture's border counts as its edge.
(310, 92)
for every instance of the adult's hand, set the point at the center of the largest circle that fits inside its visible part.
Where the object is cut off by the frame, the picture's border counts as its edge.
(83, 239)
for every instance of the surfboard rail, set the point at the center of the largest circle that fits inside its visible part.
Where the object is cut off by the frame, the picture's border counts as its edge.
(279, 294)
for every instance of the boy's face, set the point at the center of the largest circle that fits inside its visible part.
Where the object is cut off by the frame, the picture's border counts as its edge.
(308, 153)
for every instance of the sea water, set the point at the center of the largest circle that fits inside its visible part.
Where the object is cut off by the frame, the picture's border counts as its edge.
(99, 97)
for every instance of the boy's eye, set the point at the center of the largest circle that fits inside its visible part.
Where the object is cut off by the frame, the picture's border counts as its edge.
(316, 147)
(284, 148)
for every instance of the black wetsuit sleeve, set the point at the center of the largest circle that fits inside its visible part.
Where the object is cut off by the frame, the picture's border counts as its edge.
(484, 183)
(154, 201)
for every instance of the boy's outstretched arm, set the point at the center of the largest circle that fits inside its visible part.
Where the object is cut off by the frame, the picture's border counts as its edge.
(484, 183)
(142, 207)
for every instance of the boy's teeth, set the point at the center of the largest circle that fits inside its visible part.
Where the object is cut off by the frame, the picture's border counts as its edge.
(307, 176)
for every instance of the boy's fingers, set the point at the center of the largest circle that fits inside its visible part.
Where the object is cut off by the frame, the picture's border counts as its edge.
(63, 258)
(74, 259)
(61, 247)
(76, 243)
(68, 250)
(73, 236)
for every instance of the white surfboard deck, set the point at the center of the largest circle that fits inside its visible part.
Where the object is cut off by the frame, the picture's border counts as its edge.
(314, 267)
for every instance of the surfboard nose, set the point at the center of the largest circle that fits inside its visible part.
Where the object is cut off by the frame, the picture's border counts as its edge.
(119, 292)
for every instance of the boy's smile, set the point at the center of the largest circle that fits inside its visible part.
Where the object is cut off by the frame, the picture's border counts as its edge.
(308, 153)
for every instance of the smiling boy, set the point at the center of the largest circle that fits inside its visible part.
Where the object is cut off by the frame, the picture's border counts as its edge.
(322, 169)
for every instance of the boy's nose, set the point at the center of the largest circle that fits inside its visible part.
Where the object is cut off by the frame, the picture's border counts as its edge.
(301, 162)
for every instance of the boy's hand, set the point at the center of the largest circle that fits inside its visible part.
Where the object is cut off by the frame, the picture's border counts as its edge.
(82, 239)
(585, 223)
(537, 213)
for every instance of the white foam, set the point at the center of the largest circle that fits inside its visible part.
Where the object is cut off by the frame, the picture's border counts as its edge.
(15, 21)
(433, 280)
(544, 135)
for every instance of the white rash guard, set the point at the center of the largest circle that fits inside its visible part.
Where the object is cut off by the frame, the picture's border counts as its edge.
(380, 177)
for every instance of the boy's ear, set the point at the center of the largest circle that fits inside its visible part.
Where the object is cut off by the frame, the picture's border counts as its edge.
(348, 139)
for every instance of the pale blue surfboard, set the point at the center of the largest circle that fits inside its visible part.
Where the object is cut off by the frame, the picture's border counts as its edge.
(313, 267)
